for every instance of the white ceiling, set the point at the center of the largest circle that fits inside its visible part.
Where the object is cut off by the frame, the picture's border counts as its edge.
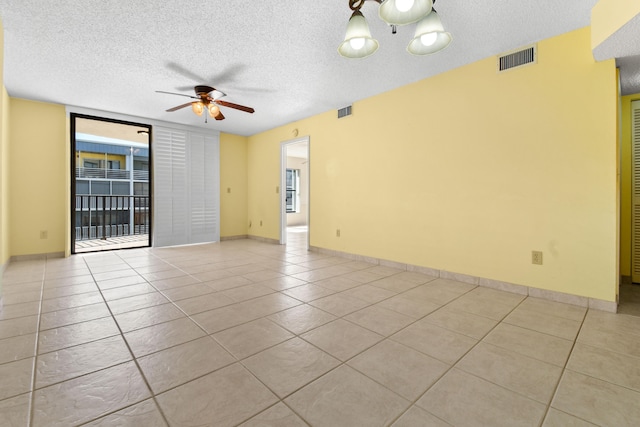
(279, 57)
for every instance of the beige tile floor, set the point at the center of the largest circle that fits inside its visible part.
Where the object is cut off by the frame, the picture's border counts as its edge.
(254, 334)
(629, 299)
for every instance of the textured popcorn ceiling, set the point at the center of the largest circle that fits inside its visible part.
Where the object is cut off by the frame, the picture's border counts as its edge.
(624, 46)
(279, 57)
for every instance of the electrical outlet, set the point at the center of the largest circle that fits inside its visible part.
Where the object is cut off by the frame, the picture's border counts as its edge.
(260, 223)
(536, 257)
(228, 189)
(338, 232)
(44, 234)
(249, 224)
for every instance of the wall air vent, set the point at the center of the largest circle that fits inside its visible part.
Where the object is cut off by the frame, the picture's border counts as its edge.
(343, 112)
(521, 57)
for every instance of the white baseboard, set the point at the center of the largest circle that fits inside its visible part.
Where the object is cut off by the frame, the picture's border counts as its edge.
(593, 303)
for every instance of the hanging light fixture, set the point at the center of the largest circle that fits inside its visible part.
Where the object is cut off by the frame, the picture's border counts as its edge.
(358, 42)
(403, 12)
(429, 36)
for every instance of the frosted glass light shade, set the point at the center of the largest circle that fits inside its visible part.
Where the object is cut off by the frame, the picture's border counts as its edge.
(393, 11)
(213, 110)
(357, 42)
(197, 107)
(430, 36)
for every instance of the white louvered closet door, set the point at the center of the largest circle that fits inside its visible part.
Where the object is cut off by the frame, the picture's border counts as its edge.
(635, 215)
(203, 188)
(186, 187)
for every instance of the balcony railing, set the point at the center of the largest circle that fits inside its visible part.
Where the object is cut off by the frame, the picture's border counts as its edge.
(100, 217)
(98, 232)
(140, 175)
(101, 173)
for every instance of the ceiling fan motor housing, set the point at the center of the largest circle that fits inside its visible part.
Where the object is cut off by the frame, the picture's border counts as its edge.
(203, 89)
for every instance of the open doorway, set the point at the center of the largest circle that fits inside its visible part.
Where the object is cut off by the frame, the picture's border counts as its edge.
(294, 206)
(110, 184)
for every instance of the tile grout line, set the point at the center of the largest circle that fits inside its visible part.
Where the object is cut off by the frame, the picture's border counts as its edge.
(37, 349)
(341, 317)
(345, 362)
(413, 403)
(302, 302)
(462, 356)
(240, 361)
(564, 367)
(342, 363)
(133, 356)
(384, 338)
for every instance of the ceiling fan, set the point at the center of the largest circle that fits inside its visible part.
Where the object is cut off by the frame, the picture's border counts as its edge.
(207, 98)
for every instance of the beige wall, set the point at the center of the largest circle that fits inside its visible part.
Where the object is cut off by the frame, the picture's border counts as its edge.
(468, 172)
(4, 166)
(233, 185)
(39, 194)
(263, 172)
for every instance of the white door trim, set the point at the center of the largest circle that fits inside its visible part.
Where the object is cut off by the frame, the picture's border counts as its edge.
(283, 186)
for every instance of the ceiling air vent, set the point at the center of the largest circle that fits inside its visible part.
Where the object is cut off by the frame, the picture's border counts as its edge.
(517, 59)
(343, 112)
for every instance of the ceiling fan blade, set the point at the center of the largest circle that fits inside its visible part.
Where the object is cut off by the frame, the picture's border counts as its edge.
(216, 94)
(236, 106)
(220, 116)
(178, 107)
(228, 74)
(174, 66)
(179, 94)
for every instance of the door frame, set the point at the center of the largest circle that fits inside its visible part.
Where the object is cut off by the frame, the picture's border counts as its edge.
(72, 131)
(283, 185)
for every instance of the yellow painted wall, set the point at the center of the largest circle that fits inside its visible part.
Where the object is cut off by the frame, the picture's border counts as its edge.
(38, 177)
(233, 185)
(263, 170)
(469, 171)
(626, 184)
(608, 16)
(4, 165)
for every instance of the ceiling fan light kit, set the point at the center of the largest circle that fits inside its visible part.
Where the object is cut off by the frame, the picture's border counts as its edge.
(214, 110)
(429, 36)
(207, 98)
(197, 107)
